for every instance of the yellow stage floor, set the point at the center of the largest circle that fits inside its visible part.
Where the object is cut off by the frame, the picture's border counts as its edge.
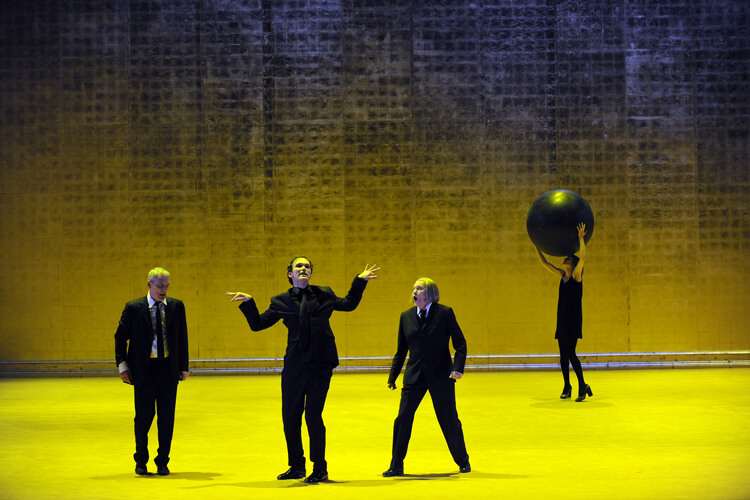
(651, 434)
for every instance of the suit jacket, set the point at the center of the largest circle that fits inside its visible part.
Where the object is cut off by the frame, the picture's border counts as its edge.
(427, 345)
(135, 334)
(320, 306)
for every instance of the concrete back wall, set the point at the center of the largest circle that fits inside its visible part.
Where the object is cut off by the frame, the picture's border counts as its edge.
(220, 138)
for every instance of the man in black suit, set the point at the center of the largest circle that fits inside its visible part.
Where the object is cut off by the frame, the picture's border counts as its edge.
(310, 357)
(151, 351)
(424, 331)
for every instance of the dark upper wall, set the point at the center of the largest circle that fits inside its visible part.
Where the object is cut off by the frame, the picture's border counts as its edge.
(218, 138)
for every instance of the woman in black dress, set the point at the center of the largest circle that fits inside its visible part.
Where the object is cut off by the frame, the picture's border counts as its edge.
(569, 314)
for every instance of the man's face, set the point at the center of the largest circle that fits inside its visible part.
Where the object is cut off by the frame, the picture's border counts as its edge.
(419, 294)
(158, 288)
(301, 272)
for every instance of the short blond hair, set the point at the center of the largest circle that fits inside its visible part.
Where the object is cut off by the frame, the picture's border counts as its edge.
(156, 273)
(431, 292)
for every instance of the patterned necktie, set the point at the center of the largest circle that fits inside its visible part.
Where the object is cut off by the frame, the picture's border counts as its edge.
(159, 335)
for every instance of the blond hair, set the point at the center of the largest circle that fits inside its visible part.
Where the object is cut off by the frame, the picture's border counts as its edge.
(156, 273)
(431, 292)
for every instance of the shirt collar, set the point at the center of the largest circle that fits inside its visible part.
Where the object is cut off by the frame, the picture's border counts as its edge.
(297, 292)
(427, 308)
(151, 300)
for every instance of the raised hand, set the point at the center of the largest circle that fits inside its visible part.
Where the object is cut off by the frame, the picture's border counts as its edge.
(581, 230)
(369, 272)
(239, 296)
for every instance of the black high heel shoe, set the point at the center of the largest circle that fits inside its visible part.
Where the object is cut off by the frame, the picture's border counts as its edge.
(566, 393)
(582, 394)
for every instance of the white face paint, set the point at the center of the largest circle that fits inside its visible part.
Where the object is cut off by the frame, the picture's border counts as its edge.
(301, 272)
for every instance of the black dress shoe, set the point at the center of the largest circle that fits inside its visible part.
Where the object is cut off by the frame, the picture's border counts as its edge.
(317, 476)
(141, 470)
(582, 393)
(292, 473)
(162, 470)
(566, 393)
(465, 468)
(393, 473)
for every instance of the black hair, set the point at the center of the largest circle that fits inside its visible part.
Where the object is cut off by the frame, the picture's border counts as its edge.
(574, 258)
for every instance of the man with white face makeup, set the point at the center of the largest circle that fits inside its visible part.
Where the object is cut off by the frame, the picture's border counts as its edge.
(310, 357)
(424, 331)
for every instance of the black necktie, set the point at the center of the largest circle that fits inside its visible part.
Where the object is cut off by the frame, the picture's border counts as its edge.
(422, 316)
(304, 322)
(159, 336)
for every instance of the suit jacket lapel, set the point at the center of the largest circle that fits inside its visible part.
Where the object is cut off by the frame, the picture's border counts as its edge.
(146, 313)
(433, 312)
(168, 311)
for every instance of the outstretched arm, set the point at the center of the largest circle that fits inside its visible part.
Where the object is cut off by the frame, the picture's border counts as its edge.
(578, 271)
(554, 270)
(256, 320)
(351, 301)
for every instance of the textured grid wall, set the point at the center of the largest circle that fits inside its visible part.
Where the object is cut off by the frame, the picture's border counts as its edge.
(219, 138)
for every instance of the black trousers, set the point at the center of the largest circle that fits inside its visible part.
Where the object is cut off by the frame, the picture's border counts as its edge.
(157, 394)
(443, 394)
(304, 389)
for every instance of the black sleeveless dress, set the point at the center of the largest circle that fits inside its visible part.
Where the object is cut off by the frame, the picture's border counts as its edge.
(569, 311)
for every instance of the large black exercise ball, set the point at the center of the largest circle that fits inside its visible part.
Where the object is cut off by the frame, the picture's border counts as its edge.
(553, 219)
